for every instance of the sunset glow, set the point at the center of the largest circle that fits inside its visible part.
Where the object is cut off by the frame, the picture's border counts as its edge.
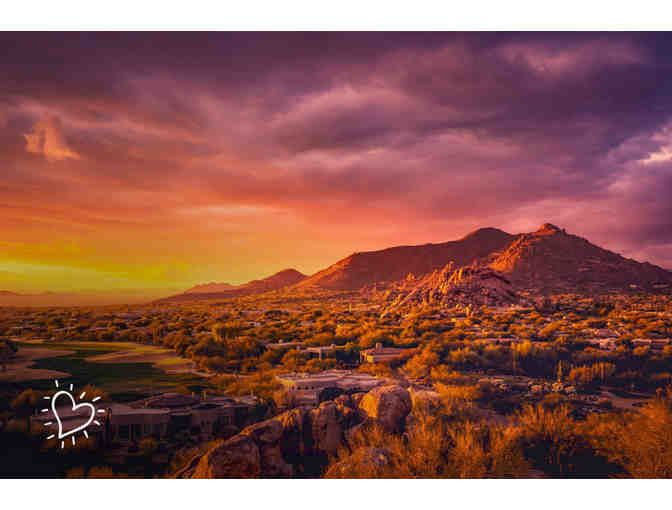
(153, 162)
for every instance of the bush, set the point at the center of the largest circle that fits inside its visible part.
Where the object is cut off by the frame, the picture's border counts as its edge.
(640, 443)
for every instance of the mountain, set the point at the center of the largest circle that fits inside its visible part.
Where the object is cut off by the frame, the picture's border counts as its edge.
(84, 298)
(501, 267)
(210, 287)
(392, 264)
(277, 281)
(551, 260)
(548, 260)
(476, 285)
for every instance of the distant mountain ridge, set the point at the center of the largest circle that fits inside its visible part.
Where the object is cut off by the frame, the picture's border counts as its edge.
(84, 298)
(277, 281)
(548, 260)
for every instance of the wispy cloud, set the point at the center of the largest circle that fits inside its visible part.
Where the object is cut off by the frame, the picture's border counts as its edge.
(47, 139)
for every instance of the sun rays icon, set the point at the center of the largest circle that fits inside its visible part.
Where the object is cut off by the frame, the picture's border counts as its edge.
(68, 429)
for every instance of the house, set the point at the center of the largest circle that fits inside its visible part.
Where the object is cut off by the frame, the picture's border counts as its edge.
(380, 354)
(306, 388)
(320, 351)
(606, 344)
(501, 340)
(656, 344)
(162, 417)
(285, 345)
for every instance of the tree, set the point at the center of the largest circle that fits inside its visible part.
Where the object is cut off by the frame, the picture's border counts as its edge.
(7, 351)
(24, 405)
(148, 446)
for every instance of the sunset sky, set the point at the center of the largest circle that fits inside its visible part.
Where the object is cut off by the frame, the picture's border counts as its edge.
(157, 161)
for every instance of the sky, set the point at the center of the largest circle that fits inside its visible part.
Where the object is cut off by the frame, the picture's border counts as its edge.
(156, 161)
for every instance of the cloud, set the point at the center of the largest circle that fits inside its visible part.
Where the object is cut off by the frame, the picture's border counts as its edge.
(47, 138)
(341, 142)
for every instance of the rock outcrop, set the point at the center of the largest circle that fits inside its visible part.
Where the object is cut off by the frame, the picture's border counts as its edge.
(240, 459)
(388, 405)
(471, 285)
(295, 443)
(300, 442)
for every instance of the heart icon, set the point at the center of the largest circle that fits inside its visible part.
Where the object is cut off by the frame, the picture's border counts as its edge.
(75, 406)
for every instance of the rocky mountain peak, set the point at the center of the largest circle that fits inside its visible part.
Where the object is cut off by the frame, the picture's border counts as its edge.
(549, 228)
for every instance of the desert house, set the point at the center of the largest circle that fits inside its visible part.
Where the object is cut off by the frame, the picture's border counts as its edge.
(380, 354)
(307, 388)
(162, 417)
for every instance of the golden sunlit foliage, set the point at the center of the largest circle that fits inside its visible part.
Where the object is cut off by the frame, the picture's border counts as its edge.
(432, 448)
(589, 373)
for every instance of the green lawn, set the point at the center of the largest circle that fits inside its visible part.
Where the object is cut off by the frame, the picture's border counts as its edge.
(123, 379)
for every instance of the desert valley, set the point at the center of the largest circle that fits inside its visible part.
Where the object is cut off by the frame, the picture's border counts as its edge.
(276, 254)
(532, 355)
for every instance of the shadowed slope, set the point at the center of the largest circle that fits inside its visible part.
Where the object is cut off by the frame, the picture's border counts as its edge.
(366, 268)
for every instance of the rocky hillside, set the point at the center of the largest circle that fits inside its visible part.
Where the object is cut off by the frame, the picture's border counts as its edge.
(392, 264)
(201, 292)
(551, 260)
(548, 260)
(474, 285)
(299, 442)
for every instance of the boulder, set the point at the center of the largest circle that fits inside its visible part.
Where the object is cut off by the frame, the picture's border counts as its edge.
(329, 422)
(239, 457)
(387, 405)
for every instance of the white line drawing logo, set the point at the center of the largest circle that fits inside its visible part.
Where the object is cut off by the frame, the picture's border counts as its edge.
(62, 434)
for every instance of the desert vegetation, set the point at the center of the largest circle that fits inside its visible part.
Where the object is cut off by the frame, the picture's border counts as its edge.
(539, 390)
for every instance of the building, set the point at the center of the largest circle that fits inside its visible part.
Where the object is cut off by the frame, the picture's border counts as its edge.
(285, 345)
(322, 350)
(380, 354)
(318, 351)
(162, 417)
(500, 340)
(656, 344)
(607, 344)
(307, 388)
